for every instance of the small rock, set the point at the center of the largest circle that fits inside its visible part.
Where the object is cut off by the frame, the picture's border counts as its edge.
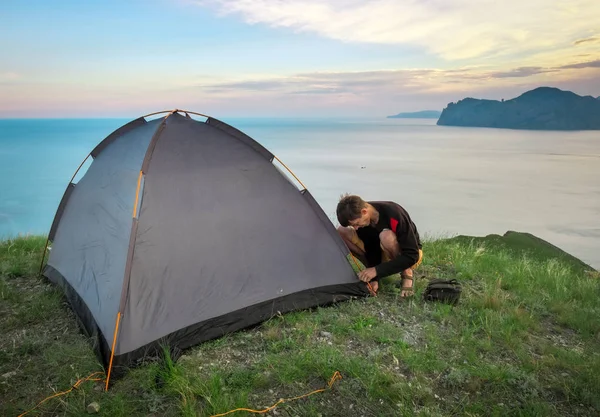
(351, 406)
(326, 334)
(93, 408)
(8, 374)
(99, 387)
(409, 339)
(564, 374)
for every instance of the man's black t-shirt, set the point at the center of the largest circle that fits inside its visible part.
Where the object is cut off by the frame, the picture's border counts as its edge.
(395, 218)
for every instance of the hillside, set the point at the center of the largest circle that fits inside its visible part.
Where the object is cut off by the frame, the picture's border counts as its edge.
(523, 340)
(425, 114)
(543, 108)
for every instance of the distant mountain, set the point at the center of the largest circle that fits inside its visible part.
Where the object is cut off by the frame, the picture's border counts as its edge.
(425, 114)
(544, 108)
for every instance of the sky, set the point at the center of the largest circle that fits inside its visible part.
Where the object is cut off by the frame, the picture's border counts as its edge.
(284, 58)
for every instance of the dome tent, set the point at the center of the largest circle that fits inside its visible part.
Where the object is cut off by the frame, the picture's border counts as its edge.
(183, 230)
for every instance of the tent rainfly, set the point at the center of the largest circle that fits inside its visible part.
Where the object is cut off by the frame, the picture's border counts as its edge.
(183, 230)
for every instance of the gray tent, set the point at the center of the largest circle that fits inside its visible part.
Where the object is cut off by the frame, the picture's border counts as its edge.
(183, 230)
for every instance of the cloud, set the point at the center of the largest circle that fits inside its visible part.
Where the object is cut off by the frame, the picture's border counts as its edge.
(521, 72)
(588, 40)
(580, 65)
(9, 76)
(392, 82)
(335, 83)
(252, 85)
(454, 30)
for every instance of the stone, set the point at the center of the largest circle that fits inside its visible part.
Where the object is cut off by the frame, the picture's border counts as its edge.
(93, 408)
(409, 339)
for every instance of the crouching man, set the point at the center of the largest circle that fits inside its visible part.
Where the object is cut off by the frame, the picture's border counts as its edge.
(382, 235)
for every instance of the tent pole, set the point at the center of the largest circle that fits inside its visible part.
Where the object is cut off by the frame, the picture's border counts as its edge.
(290, 171)
(43, 255)
(112, 352)
(175, 111)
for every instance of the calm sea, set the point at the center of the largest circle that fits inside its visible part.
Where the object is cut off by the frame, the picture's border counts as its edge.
(452, 180)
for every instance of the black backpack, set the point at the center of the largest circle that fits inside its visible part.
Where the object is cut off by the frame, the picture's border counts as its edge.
(445, 291)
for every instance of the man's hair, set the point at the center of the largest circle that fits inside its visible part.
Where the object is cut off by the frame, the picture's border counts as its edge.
(349, 208)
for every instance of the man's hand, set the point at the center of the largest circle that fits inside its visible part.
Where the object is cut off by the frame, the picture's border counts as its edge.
(367, 275)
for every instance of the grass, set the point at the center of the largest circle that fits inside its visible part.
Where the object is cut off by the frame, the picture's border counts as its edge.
(523, 341)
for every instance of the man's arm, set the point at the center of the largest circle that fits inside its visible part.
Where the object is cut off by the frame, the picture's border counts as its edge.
(409, 254)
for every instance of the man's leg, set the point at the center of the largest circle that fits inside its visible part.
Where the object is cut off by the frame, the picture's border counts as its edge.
(357, 247)
(391, 249)
(353, 242)
(408, 273)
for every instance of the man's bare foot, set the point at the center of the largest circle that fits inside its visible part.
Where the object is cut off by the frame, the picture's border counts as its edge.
(407, 288)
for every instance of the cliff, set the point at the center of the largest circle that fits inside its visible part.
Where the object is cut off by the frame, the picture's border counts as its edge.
(543, 108)
(425, 114)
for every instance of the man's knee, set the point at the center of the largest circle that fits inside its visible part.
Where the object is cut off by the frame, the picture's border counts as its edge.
(344, 232)
(388, 239)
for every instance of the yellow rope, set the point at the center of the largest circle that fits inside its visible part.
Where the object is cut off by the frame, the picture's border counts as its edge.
(334, 378)
(75, 386)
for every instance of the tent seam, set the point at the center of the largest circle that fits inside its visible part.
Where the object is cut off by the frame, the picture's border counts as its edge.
(132, 238)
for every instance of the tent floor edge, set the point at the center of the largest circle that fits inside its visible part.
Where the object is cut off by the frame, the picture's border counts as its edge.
(241, 319)
(83, 315)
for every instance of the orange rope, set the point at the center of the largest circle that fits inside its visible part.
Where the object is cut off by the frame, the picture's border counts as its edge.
(112, 353)
(75, 386)
(334, 378)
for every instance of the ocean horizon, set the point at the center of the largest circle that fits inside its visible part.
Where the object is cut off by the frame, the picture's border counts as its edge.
(452, 180)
